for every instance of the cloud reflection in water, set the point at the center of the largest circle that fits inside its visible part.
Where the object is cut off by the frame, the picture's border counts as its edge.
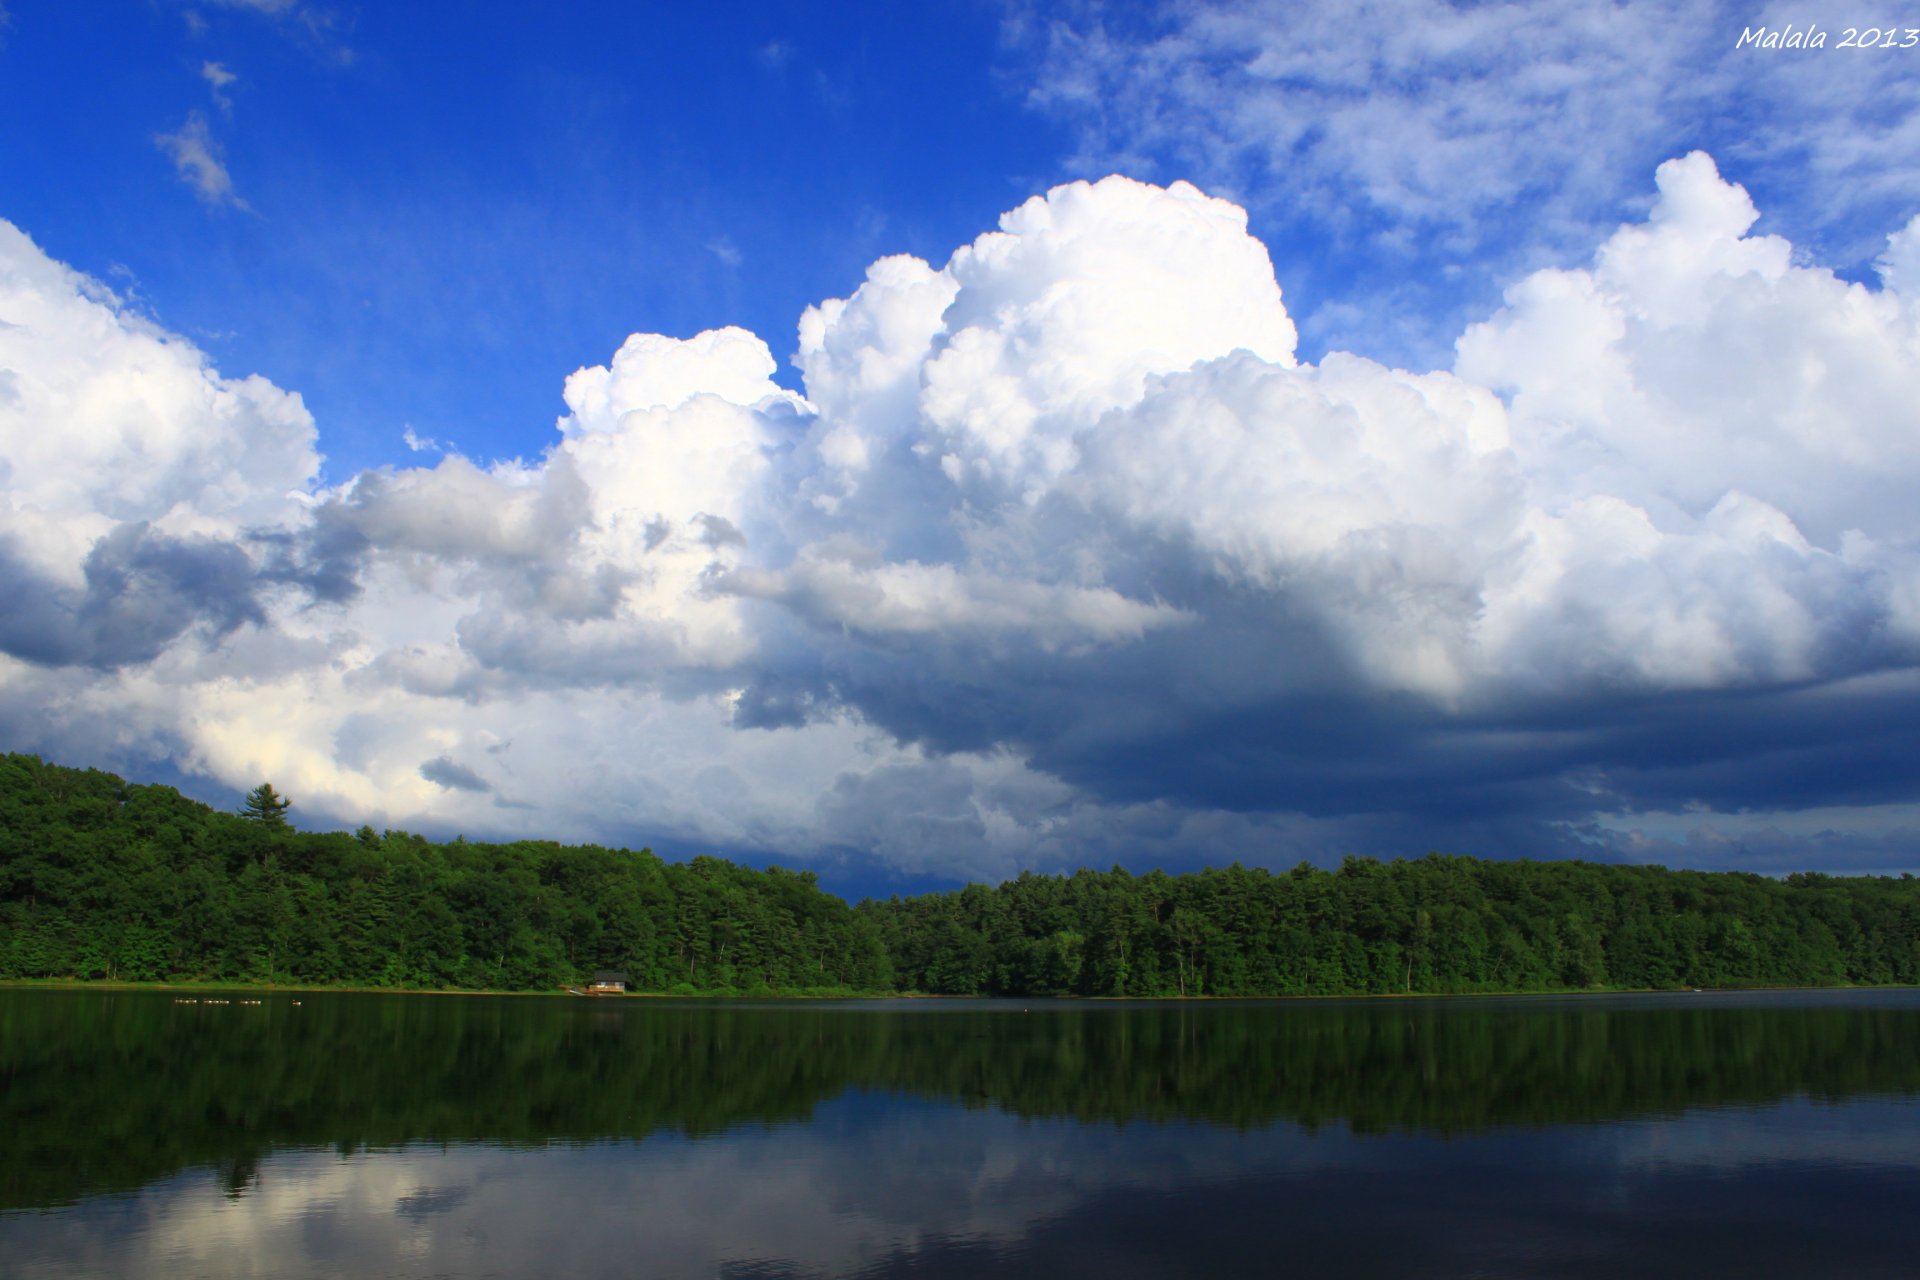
(888, 1185)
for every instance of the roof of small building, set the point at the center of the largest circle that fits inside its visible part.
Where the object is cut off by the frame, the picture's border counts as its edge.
(609, 975)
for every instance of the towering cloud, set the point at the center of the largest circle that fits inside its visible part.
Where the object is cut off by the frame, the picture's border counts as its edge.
(131, 473)
(1061, 554)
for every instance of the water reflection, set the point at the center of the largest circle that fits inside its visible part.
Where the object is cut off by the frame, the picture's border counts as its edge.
(936, 1190)
(1767, 1136)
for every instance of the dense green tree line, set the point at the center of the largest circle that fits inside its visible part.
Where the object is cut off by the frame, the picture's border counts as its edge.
(102, 879)
(108, 1090)
(1435, 924)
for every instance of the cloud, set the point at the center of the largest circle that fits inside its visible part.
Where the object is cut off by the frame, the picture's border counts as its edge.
(455, 777)
(1694, 360)
(1291, 100)
(218, 79)
(196, 158)
(320, 27)
(1406, 148)
(111, 419)
(142, 591)
(1063, 556)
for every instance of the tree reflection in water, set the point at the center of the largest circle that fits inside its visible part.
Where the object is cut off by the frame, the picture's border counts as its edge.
(1513, 1137)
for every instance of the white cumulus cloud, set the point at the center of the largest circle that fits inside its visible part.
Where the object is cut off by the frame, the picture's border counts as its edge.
(1061, 550)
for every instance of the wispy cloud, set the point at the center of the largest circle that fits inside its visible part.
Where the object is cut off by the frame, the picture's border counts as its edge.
(321, 27)
(218, 79)
(196, 158)
(1410, 110)
(1416, 147)
(419, 443)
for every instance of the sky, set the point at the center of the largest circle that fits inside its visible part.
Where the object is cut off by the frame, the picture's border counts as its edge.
(922, 443)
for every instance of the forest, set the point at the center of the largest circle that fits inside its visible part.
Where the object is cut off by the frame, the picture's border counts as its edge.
(103, 879)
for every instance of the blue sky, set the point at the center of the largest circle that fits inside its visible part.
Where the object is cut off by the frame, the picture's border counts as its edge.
(1503, 445)
(516, 190)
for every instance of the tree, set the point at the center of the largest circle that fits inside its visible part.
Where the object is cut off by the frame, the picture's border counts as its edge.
(265, 807)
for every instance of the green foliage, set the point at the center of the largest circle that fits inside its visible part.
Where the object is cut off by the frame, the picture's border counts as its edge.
(1435, 924)
(102, 879)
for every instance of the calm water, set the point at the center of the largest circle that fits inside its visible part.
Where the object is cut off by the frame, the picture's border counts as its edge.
(360, 1135)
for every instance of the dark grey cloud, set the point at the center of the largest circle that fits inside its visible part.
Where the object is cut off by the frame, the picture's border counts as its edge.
(1345, 752)
(455, 777)
(324, 560)
(926, 807)
(777, 700)
(143, 590)
(1263, 713)
(717, 532)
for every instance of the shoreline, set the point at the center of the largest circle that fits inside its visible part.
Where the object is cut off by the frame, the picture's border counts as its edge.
(188, 985)
(106, 984)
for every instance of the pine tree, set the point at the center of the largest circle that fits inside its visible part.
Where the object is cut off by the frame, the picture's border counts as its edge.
(265, 807)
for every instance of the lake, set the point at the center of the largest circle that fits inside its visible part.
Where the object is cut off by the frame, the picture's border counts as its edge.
(349, 1135)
